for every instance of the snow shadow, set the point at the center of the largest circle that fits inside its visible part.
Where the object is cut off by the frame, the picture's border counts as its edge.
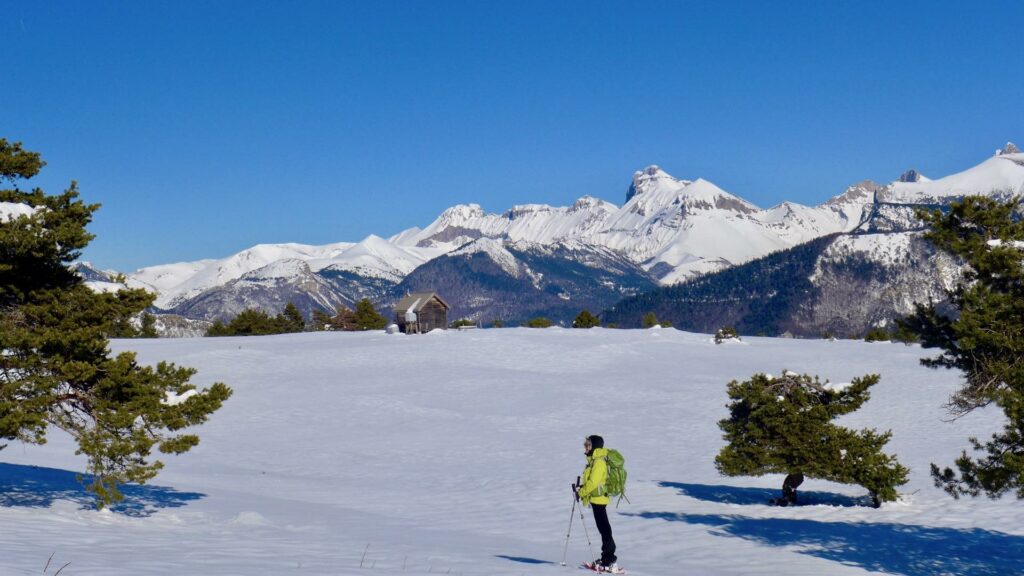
(36, 487)
(891, 548)
(522, 559)
(748, 496)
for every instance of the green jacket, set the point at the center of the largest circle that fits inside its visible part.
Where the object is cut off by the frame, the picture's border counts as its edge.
(594, 477)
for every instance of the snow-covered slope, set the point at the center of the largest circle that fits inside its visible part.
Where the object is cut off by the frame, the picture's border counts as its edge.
(674, 228)
(1001, 175)
(340, 454)
(373, 257)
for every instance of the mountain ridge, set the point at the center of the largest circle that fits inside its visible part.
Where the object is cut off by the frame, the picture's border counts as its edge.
(669, 229)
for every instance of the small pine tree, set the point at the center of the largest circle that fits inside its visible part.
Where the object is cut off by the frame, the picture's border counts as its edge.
(586, 320)
(726, 333)
(497, 323)
(254, 323)
(877, 334)
(539, 322)
(218, 328)
(291, 319)
(649, 320)
(463, 322)
(367, 317)
(904, 334)
(782, 425)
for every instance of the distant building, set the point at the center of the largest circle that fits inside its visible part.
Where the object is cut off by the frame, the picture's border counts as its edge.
(421, 312)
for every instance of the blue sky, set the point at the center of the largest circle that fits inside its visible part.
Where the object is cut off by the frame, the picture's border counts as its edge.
(207, 127)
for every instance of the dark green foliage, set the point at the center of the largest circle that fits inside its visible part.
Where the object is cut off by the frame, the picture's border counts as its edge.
(218, 329)
(726, 333)
(56, 370)
(586, 320)
(877, 334)
(463, 322)
(247, 323)
(254, 322)
(148, 329)
(497, 323)
(17, 163)
(782, 426)
(649, 320)
(367, 317)
(539, 322)
(983, 337)
(904, 334)
(291, 319)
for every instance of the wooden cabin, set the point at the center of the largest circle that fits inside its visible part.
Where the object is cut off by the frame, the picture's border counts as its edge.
(421, 312)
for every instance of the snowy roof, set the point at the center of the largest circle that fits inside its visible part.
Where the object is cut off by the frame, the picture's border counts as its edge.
(416, 301)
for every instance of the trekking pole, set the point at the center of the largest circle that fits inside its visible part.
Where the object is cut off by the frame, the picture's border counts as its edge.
(585, 531)
(565, 553)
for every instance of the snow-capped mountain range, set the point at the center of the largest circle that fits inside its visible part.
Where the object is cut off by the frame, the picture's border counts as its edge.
(671, 229)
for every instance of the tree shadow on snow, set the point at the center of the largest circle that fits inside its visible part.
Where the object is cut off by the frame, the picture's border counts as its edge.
(748, 496)
(892, 548)
(522, 559)
(36, 487)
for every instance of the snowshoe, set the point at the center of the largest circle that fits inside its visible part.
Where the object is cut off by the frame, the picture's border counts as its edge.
(600, 568)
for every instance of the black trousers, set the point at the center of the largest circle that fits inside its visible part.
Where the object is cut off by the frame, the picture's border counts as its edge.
(607, 543)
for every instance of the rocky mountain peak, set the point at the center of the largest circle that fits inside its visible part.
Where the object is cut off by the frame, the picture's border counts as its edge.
(910, 176)
(462, 213)
(643, 179)
(861, 192)
(1010, 148)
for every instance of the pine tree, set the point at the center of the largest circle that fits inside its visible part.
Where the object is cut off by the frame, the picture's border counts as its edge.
(782, 426)
(367, 317)
(586, 320)
(649, 320)
(55, 368)
(726, 333)
(539, 322)
(252, 322)
(218, 328)
(984, 338)
(291, 319)
(148, 329)
(877, 334)
(320, 321)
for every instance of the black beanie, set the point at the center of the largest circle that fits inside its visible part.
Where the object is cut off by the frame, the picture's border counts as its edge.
(596, 441)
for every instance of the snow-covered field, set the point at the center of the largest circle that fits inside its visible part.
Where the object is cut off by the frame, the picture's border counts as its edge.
(453, 452)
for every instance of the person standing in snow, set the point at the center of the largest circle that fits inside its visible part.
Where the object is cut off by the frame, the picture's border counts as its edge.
(591, 493)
